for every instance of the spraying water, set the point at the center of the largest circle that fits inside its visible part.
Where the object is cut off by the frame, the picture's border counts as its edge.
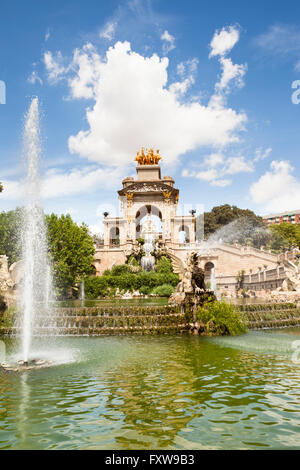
(35, 292)
(213, 285)
(148, 260)
(231, 233)
(82, 291)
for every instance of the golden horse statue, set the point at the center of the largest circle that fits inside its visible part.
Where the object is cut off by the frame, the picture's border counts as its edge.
(150, 158)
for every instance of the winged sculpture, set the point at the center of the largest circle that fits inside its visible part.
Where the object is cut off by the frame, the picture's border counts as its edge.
(191, 276)
(184, 270)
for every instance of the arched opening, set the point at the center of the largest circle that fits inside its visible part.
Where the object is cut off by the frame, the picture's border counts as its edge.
(148, 213)
(208, 268)
(184, 234)
(114, 236)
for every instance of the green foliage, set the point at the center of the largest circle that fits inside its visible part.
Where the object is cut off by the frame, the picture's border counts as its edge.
(164, 265)
(10, 223)
(132, 261)
(145, 290)
(98, 286)
(221, 318)
(3, 305)
(71, 250)
(119, 270)
(98, 239)
(284, 236)
(249, 228)
(95, 287)
(163, 291)
(8, 317)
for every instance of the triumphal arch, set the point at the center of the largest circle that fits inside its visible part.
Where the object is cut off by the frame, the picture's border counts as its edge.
(149, 207)
(148, 196)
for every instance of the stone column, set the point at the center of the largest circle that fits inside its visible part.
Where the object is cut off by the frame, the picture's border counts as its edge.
(106, 234)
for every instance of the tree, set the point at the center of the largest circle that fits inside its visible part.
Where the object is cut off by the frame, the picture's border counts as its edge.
(284, 236)
(98, 239)
(10, 226)
(71, 250)
(164, 265)
(245, 226)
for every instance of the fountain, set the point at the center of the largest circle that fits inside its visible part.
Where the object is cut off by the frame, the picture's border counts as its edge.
(213, 280)
(35, 292)
(148, 233)
(82, 292)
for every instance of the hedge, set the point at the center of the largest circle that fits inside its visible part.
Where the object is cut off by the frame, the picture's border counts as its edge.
(97, 286)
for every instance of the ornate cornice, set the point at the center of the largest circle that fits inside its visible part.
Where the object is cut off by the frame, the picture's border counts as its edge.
(142, 187)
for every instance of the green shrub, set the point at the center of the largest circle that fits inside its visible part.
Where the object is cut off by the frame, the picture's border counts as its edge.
(120, 269)
(164, 290)
(95, 287)
(221, 318)
(8, 318)
(145, 290)
(127, 281)
(133, 263)
(164, 265)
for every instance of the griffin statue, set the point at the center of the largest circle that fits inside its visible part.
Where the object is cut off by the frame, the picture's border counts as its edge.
(191, 290)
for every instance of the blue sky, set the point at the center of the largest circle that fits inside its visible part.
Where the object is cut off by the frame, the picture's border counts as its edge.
(208, 83)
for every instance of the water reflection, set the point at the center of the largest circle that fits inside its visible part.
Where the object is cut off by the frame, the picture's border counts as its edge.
(152, 393)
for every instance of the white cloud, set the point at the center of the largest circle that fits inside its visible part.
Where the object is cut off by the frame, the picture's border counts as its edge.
(231, 72)
(13, 190)
(221, 183)
(278, 189)
(47, 35)
(186, 70)
(58, 183)
(96, 229)
(54, 66)
(236, 165)
(134, 106)
(222, 43)
(86, 67)
(214, 159)
(34, 77)
(71, 211)
(169, 41)
(108, 32)
(261, 154)
(216, 167)
(211, 176)
(224, 40)
(280, 39)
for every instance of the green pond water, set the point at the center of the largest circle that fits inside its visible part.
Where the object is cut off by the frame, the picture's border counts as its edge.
(168, 392)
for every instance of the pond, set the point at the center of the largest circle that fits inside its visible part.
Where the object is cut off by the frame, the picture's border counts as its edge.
(167, 392)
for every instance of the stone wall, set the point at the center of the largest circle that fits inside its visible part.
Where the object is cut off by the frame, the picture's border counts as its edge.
(118, 320)
(266, 316)
(98, 321)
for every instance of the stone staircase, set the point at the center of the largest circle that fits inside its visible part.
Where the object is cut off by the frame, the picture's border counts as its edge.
(263, 316)
(98, 321)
